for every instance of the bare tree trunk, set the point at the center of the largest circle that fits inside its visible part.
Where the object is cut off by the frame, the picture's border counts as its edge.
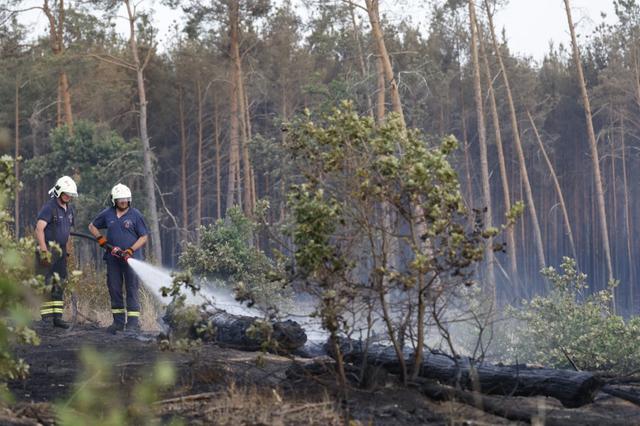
(556, 184)
(484, 163)
(381, 89)
(56, 40)
(510, 232)
(234, 119)
(244, 137)
(467, 160)
(376, 30)
(518, 144)
(149, 178)
(216, 137)
(627, 218)
(593, 147)
(361, 61)
(198, 218)
(247, 120)
(16, 217)
(183, 167)
(66, 100)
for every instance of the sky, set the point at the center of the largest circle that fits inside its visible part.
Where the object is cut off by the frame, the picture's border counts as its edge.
(530, 25)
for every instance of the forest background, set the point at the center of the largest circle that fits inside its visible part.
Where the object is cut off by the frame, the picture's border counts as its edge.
(200, 125)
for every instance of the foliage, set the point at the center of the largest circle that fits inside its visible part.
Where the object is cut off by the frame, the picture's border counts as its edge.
(379, 211)
(570, 326)
(96, 157)
(99, 398)
(17, 282)
(225, 252)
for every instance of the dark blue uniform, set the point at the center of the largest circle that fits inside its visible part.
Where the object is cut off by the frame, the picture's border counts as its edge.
(59, 223)
(122, 232)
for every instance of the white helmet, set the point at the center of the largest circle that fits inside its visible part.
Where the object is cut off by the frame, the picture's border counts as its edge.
(64, 185)
(120, 192)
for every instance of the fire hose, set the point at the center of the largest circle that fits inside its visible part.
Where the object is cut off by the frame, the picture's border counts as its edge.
(121, 254)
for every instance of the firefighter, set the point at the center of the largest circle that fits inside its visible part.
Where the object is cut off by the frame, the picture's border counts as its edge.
(54, 223)
(127, 233)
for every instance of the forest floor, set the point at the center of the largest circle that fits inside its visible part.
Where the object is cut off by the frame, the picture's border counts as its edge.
(217, 385)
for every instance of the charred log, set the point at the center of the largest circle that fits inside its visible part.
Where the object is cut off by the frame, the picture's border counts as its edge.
(571, 388)
(237, 331)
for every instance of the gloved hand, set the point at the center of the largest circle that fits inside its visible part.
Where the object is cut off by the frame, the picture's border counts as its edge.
(116, 251)
(45, 258)
(101, 240)
(126, 254)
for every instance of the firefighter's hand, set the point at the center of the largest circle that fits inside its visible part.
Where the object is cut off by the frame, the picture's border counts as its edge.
(128, 253)
(116, 251)
(44, 257)
(101, 240)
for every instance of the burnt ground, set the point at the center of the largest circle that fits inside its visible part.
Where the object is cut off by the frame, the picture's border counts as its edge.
(221, 385)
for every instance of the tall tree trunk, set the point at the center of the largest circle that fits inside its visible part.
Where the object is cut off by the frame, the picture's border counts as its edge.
(376, 30)
(361, 61)
(149, 178)
(234, 119)
(216, 140)
(198, 218)
(518, 145)
(593, 147)
(16, 217)
(510, 232)
(627, 219)
(56, 41)
(247, 188)
(380, 92)
(484, 162)
(183, 167)
(247, 121)
(556, 185)
(467, 160)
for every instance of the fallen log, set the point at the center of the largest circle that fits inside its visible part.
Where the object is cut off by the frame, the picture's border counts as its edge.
(238, 331)
(571, 388)
(518, 410)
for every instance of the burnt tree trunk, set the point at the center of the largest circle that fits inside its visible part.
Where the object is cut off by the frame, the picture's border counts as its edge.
(571, 388)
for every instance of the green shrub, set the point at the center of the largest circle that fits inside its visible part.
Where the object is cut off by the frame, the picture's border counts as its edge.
(225, 254)
(99, 397)
(17, 284)
(570, 326)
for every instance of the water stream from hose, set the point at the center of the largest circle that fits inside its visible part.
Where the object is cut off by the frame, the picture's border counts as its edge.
(155, 278)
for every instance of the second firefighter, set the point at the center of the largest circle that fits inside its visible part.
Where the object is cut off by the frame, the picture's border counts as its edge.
(127, 233)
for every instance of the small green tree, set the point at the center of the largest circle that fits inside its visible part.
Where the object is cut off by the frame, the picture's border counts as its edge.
(354, 176)
(17, 282)
(570, 328)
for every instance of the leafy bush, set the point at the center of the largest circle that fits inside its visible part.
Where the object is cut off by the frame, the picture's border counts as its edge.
(225, 253)
(17, 283)
(570, 326)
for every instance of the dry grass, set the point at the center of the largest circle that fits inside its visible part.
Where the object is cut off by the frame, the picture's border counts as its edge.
(241, 406)
(94, 304)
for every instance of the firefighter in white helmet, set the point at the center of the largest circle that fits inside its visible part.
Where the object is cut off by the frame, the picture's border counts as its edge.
(127, 233)
(54, 223)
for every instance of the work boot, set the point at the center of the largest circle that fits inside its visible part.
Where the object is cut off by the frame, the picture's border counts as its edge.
(133, 328)
(115, 327)
(60, 323)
